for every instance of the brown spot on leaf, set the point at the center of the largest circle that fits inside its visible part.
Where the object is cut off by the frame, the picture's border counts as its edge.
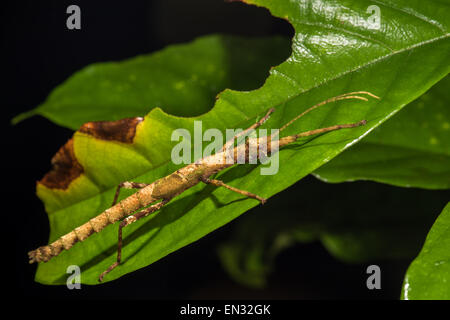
(122, 130)
(65, 168)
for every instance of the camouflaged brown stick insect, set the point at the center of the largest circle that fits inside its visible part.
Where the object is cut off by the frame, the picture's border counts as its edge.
(163, 190)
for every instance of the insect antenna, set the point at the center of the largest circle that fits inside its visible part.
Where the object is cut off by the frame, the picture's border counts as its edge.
(350, 95)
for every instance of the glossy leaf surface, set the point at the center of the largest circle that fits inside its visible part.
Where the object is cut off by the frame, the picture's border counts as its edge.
(412, 149)
(428, 277)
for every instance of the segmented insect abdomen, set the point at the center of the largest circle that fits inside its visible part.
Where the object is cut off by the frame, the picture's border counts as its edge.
(122, 209)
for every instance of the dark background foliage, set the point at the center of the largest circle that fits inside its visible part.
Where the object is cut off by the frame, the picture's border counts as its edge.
(41, 53)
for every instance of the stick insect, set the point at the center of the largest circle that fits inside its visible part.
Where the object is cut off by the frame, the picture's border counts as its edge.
(152, 197)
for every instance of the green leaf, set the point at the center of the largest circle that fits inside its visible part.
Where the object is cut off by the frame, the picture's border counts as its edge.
(428, 276)
(182, 79)
(360, 228)
(411, 149)
(331, 55)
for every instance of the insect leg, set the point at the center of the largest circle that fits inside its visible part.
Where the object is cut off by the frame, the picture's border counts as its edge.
(289, 139)
(332, 128)
(219, 183)
(254, 126)
(128, 220)
(127, 185)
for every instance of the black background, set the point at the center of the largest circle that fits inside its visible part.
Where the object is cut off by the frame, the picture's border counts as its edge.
(41, 53)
